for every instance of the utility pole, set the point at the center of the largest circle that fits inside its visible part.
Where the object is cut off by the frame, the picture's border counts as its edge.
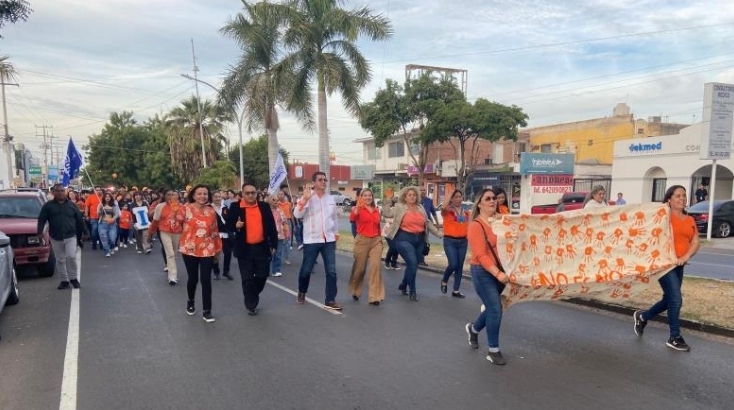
(7, 139)
(198, 106)
(46, 147)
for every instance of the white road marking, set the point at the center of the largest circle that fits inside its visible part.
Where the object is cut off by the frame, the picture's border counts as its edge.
(309, 300)
(71, 357)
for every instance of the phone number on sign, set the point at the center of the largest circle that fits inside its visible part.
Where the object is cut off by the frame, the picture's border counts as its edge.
(551, 189)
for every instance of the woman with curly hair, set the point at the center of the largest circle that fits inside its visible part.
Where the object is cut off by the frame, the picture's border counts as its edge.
(409, 230)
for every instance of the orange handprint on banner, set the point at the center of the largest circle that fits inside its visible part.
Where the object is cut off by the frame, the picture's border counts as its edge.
(623, 217)
(655, 236)
(561, 238)
(588, 235)
(605, 219)
(533, 243)
(548, 253)
(639, 219)
(586, 220)
(575, 232)
(546, 234)
(570, 251)
(559, 256)
(659, 215)
(588, 254)
(621, 265)
(600, 238)
(608, 251)
(510, 250)
(617, 235)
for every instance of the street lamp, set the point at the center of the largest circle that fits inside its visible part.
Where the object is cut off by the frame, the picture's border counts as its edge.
(237, 118)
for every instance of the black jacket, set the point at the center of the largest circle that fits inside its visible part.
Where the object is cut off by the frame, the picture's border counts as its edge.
(64, 220)
(269, 230)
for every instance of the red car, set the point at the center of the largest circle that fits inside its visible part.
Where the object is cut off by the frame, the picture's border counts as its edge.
(19, 209)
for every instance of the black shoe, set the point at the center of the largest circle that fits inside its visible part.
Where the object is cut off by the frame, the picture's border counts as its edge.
(677, 343)
(496, 358)
(190, 308)
(228, 276)
(457, 294)
(387, 266)
(402, 289)
(63, 285)
(75, 283)
(375, 303)
(301, 298)
(172, 282)
(252, 312)
(208, 318)
(473, 337)
(332, 306)
(444, 287)
(355, 298)
(413, 297)
(422, 263)
(639, 323)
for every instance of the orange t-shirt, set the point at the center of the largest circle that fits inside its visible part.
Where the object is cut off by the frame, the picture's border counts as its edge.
(455, 225)
(684, 230)
(480, 252)
(92, 203)
(126, 219)
(254, 232)
(287, 209)
(413, 222)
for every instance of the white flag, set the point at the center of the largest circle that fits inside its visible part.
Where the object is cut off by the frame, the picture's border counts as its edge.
(278, 176)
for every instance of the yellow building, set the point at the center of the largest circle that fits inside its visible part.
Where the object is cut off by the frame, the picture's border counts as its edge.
(593, 140)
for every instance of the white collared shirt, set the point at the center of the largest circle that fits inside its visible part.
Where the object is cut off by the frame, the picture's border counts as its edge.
(320, 220)
(218, 210)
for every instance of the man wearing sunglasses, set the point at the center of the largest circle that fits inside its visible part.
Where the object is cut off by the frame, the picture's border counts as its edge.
(320, 230)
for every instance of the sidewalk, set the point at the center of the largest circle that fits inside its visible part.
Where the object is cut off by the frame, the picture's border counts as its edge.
(721, 245)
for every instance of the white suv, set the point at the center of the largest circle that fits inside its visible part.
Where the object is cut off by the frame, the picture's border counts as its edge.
(340, 198)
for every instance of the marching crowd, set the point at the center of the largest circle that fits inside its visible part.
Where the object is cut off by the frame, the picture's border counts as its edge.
(208, 228)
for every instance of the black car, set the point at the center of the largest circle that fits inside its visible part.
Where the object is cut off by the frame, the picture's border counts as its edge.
(723, 217)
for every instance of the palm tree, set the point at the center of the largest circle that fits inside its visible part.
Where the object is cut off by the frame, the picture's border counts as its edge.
(259, 81)
(7, 75)
(184, 138)
(322, 38)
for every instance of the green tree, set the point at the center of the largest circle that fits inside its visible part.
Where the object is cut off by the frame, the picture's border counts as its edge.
(185, 139)
(460, 121)
(220, 175)
(256, 163)
(259, 81)
(116, 150)
(322, 36)
(13, 11)
(156, 168)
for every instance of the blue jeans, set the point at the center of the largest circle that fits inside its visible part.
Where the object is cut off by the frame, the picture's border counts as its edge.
(455, 253)
(410, 247)
(311, 251)
(94, 225)
(391, 257)
(672, 300)
(489, 289)
(299, 232)
(107, 235)
(277, 261)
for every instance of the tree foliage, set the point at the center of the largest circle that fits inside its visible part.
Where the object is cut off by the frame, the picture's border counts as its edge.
(221, 175)
(13, 11)
(255, 160)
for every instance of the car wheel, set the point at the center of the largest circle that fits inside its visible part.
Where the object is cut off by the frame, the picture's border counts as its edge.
(14, 297)
(723, 230)
(46, 270)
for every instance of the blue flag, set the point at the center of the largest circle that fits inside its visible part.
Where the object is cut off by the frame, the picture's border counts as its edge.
(72, 163)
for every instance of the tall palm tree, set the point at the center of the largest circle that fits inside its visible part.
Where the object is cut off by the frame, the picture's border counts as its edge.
(258, 82)
(322, 38)
(184, 138)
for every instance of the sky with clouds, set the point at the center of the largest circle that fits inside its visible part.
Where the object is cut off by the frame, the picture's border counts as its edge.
(561, 61)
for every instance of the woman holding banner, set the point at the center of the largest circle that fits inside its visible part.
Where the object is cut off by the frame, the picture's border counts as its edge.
(487, 275)
(686, 244)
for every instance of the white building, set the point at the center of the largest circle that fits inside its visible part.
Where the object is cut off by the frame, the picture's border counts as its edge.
(644, 167)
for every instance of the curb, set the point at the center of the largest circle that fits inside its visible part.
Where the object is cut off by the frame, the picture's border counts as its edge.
(623, 310)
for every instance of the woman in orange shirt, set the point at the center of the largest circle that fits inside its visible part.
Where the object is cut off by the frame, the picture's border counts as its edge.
(200, 244)
(164, 220)
(487, 276)
(501, 199)
(126, 221)
(367, 249)
(686, 243)
(455, 223)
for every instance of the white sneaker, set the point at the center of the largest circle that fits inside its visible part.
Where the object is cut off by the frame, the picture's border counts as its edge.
(117, 248)
(107, 255)
(300, 247)
(165, 269)
(277, 274)
(112, 251)
(124, 245)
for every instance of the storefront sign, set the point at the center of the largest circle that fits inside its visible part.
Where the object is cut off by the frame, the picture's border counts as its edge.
(552, 180)
(718, 113)
(640, 147)
(540, 163)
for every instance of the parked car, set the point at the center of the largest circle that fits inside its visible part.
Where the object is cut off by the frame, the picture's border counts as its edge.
(571, 201)
(723, 217)
(19, 209)
(8, 281)
(341, 199)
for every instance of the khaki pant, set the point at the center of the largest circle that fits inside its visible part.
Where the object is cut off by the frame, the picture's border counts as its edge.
(170, 244)
(367, 252)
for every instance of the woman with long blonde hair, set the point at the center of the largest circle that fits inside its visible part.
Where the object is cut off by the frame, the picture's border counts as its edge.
(367, 250)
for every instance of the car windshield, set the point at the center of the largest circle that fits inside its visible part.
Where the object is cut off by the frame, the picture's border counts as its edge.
(703, 206)
(19, 207)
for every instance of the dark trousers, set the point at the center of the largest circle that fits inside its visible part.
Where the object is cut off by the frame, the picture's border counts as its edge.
(227, 251)
(254, 263)
(391, 258)
(198, 267)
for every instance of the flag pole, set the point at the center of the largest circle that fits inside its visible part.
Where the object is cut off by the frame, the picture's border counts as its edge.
(90, 178)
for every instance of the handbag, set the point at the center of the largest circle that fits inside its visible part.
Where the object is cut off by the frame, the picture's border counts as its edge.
(426, 249)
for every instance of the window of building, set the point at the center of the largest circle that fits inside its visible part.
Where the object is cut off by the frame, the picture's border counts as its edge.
(545, 148)
(371, 152)
(658, 189)
(396, 150)
(498, 156)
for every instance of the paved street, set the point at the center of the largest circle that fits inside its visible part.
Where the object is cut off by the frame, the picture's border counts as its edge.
(139, 350)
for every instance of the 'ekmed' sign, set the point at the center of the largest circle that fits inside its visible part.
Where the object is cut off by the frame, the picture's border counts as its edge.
(602, 253)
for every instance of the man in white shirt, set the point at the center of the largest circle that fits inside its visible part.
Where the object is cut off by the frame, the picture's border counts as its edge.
(320, 231)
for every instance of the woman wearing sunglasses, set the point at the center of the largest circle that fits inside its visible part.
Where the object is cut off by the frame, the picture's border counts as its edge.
(487, 275)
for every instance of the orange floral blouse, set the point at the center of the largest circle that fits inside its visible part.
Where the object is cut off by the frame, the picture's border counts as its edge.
(200, 232)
